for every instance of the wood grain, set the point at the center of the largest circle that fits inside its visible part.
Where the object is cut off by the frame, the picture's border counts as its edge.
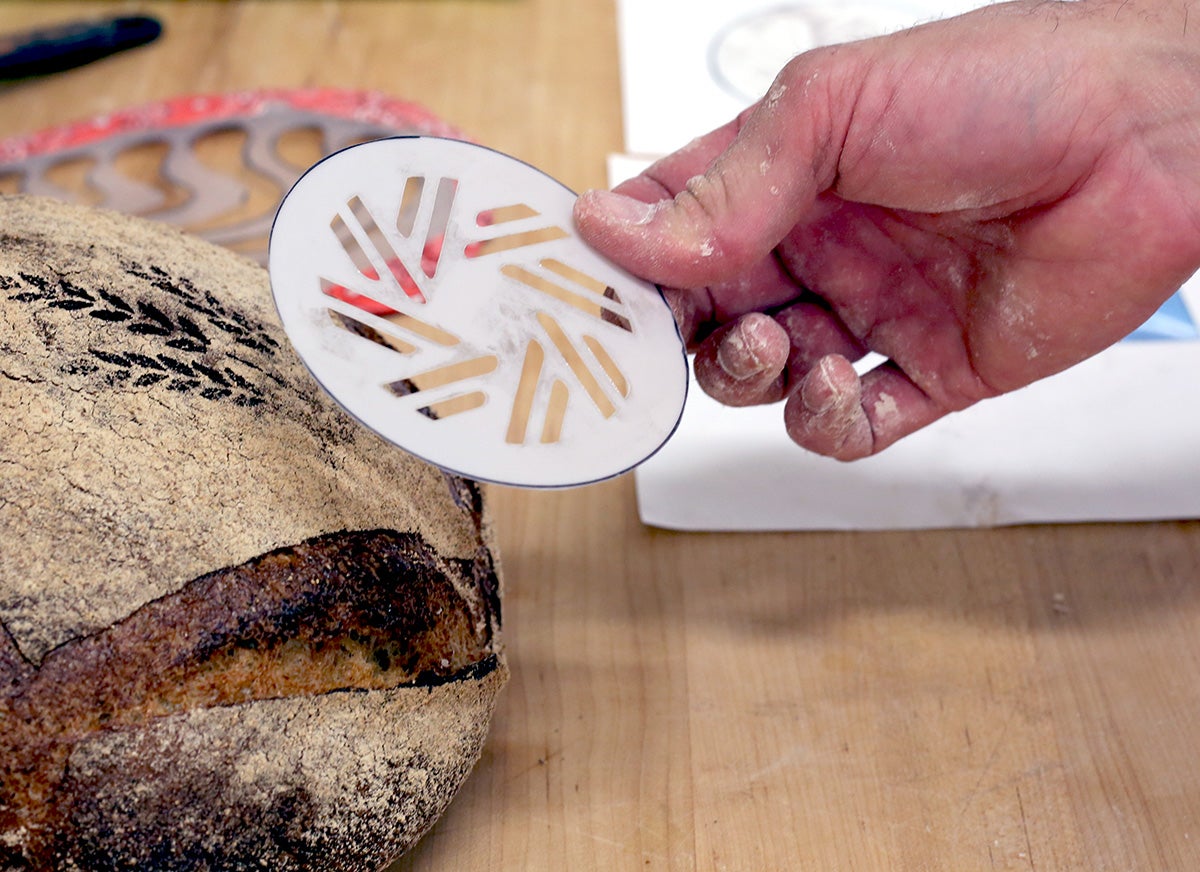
(1020, 698)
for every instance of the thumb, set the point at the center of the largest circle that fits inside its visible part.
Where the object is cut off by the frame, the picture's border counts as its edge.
(693, 219)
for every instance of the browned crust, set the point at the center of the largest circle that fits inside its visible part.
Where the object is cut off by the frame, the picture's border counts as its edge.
(366, 609)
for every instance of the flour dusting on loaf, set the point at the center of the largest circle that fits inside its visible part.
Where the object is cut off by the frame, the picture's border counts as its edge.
(236, 628)
(158, 409)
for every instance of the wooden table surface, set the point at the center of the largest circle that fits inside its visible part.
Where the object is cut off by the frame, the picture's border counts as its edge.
(1022, 698)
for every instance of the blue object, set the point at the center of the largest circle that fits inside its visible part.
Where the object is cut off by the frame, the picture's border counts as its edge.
(1171, 321)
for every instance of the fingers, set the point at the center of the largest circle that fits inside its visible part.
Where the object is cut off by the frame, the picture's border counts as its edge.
(758, 358)
(805, 354)
(764, 287)
(742, 364)
(826, 415)
(838, 414)
(814, 332)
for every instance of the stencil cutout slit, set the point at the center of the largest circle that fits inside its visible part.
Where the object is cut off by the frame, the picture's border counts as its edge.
(576, 362)
(438, 222)
(514, 240)
(581, 278)
(522, 406)
(358, 328)
(406, 215)
(583, 304)
(504, 214)
(454, 405)
(449, 374)
(358, 257)
(608, 365)
(556, 412)
(384, 250)
(371, 306)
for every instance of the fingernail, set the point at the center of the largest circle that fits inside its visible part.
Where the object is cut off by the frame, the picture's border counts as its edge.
(818, 391)
(736, 354)
(619, 209)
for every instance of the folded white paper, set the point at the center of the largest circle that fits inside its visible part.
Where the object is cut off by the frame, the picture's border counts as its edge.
(1115, 438)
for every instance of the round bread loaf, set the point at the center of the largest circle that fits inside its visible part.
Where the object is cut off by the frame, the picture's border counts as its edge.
(237, 630)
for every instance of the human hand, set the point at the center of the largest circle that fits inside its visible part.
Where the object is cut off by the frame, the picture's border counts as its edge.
(985, 201)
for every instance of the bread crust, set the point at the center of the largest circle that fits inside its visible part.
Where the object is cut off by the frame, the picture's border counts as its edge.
(236, 629)
(368, 772)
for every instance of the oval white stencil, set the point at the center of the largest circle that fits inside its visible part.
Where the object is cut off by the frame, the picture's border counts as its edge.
(438, 291)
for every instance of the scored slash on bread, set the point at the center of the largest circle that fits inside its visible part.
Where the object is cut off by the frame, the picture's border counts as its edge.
(345, 612)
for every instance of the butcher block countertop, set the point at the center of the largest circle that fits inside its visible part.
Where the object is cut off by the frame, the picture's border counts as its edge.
(1017, 698)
